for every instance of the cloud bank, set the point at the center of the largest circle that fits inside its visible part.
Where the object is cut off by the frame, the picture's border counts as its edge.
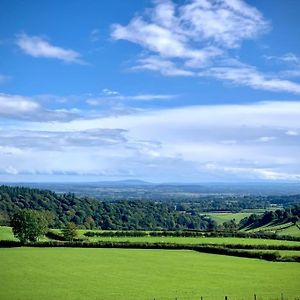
(190, 143)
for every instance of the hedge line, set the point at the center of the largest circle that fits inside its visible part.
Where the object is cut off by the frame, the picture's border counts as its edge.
(192, 233)
(213, 249)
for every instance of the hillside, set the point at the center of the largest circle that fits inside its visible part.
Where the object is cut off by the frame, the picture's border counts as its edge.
(90, 213)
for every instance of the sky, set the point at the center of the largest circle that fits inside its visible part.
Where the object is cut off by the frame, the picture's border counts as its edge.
(162, 91)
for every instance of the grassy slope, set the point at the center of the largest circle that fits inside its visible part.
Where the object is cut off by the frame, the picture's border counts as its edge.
(220, 218)
(33, 273)
(293, 230)
(280, 229)
(6, 233)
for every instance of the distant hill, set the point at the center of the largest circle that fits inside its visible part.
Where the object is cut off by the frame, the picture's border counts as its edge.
(156, 191)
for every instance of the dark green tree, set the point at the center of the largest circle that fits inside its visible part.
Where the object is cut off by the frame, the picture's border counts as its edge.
(70, 231)
(29, 225)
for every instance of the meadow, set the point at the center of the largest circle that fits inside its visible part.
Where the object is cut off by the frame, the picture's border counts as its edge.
(74, 273)
(193, 240)
(222, 217)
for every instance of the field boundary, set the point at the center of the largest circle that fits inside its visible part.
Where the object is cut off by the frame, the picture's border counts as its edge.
(212, 249)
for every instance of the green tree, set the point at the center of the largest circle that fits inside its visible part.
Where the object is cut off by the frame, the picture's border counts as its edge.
(70, 231)
(29, 225)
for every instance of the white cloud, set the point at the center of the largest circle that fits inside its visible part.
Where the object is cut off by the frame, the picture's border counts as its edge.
(40, 47)
(193, 39)
(115, 98)
(265, 139)
(291, 61)
(108, 92)
(292, 133)
(225, 22)
(164, 66)
(11, 170)
(203, 142)
(249, 76)
(26, 108)
(290, 58)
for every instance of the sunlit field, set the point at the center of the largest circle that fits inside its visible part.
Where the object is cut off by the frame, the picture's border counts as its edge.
(63, 273)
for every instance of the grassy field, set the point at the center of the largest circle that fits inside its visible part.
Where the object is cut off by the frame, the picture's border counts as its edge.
(220, 218)
(293, 230)
(6, 234)
(199, 240)
(281, 229)
(69, 273)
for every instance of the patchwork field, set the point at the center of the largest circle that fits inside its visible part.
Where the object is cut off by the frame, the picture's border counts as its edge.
(69, 273)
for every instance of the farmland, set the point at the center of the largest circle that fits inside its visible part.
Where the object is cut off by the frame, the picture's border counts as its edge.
(48, 273)
(187, 257)
(199, 240)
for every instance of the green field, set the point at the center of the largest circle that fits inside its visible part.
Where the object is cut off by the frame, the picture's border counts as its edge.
(280, 229)
(220, 218)
(6, 234)
(69, 273)
(198, 240)
(293, 230)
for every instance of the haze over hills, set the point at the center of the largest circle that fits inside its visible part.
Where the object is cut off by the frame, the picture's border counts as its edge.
(137, 189)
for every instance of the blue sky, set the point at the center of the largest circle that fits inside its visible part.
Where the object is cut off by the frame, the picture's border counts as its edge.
(185, 91)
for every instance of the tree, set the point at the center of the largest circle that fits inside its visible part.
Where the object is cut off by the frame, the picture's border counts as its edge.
(69, 231)
(29, 225)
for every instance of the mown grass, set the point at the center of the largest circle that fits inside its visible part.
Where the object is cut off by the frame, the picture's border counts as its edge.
(75, 273)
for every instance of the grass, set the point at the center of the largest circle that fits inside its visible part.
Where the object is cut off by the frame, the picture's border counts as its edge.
(6, 233)
(293, 230)
(220, 218)
(199, 240)
(70, 273)
(280, 229)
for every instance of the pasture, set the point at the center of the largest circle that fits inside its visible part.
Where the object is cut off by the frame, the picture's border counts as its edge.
(221, 217)
(75, 273)
(195, 240)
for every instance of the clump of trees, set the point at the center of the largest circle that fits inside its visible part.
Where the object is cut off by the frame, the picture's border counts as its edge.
(29, 225)
(69, 232)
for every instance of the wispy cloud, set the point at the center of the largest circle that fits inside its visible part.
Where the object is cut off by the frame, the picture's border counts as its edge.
(95, 35)
(195, 39)
(40, 47)
(249, 76)
(25, 108)
(291, 62)
(164, 66)
(113, 97)
(61, 140)
(4, 79)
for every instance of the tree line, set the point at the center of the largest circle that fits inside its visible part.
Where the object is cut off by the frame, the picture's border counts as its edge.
(87, 213)
(277, 217)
